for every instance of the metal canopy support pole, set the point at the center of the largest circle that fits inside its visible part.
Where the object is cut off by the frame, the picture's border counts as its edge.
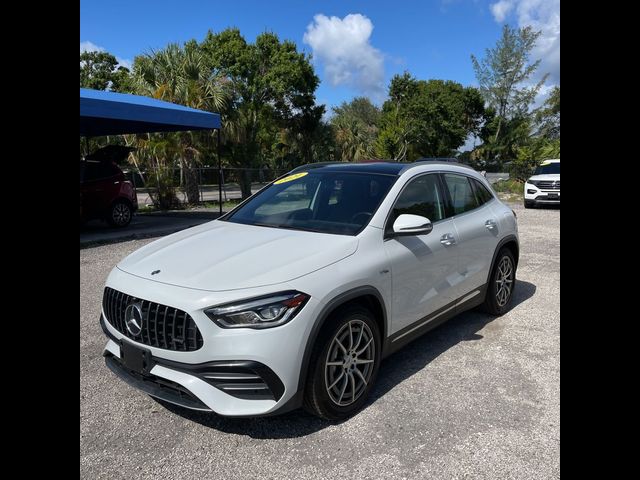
(219, 174)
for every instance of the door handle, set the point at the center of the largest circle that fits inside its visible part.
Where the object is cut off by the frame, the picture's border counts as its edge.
(490, 224)
(447, 239)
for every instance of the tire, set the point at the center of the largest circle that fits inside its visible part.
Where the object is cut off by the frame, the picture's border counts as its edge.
(120, 214)
(353, 322)
(504, 270)
(529, 204)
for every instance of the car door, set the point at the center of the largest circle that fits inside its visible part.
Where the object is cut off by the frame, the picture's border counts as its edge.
(423, 267)
(477, 229)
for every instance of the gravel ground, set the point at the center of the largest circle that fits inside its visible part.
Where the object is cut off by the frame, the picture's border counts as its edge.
(478, 397)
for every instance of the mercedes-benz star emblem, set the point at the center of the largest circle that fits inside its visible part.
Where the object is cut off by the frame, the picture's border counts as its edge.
(133, 319)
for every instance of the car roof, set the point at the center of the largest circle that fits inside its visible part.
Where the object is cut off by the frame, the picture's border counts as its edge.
(551, 160)
(381, 167)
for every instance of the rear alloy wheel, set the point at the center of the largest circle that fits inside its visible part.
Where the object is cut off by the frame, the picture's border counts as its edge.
(501, 284)
(344, 366)
(120, 214)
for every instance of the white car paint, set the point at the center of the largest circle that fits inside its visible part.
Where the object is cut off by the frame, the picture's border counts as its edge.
(222, 262)
(539, 194)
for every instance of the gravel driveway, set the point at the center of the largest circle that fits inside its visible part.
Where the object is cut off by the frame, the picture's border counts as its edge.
(478, 397)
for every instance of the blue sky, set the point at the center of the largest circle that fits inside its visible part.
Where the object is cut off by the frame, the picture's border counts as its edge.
(357, 45)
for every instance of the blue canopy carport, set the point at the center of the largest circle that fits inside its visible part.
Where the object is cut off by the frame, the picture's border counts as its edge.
(110, 113)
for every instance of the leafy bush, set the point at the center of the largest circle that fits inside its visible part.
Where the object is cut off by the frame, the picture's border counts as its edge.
(508, 186)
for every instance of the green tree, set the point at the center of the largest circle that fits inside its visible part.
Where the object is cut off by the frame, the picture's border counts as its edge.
(100, 71)
(547, 118)
(355, 125)
(503, 75)
(181, 75)
(427, 118)
(544, 143)
(271, 82)
(530, 155)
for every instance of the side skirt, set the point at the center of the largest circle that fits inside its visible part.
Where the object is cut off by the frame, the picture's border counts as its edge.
(401, 338)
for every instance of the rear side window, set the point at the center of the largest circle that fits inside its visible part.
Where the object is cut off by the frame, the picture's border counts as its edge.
(421, 196)
(482, 194)
(461, 193)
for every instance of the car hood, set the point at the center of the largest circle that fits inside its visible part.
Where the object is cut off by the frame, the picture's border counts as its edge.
(222, 255)
(546, 176)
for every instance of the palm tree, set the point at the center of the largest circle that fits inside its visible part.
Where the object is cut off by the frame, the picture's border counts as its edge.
(180, 75)
(355, 140)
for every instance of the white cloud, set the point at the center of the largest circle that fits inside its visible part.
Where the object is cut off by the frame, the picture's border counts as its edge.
(543, 15)
(92, 47)
(501, 9)
(343, 46)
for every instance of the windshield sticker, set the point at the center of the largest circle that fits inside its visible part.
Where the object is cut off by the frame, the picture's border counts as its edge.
(295, 176)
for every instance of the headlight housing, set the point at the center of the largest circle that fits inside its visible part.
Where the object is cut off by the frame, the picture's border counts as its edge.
(260, 312)
(533, 182)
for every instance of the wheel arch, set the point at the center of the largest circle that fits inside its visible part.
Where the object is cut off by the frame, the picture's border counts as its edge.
(511, 242)
(367, 296)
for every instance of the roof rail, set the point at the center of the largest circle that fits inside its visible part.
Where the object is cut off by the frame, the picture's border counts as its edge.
(308, 166)
(435, 162)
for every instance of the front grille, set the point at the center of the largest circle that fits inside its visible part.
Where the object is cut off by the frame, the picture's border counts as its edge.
(162, 326)
(548, 184)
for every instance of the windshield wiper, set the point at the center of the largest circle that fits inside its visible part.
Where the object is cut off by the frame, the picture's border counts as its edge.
(293, 227)
(285, 226)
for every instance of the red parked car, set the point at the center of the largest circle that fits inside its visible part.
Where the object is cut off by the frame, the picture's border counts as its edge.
(105, 193)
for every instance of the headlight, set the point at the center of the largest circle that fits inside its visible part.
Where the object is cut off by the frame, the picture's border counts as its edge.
(533, 182)
(262, 312)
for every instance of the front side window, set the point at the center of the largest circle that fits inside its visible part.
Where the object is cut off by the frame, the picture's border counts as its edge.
(317, 201)
(421, 196)
(461, 193)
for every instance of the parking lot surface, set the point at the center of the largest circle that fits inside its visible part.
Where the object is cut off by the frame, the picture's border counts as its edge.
(478, 397)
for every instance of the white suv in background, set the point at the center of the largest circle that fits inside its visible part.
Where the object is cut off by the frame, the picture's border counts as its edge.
(294, 297)
(543, 188)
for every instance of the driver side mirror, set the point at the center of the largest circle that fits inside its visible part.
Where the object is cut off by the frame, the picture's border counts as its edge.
(408, 224)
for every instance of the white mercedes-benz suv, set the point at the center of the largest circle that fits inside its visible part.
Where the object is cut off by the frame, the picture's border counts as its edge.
(294, 297)
(543, 188)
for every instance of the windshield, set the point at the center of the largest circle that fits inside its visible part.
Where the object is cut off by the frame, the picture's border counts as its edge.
(544, 169)
(326, 202)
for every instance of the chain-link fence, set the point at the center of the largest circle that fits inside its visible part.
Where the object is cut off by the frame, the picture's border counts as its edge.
(153, 191)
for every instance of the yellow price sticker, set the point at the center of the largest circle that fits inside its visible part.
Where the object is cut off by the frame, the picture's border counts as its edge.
(290, 178)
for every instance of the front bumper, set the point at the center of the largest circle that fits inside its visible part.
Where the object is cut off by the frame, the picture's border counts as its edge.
(249, 359)
(533, 194)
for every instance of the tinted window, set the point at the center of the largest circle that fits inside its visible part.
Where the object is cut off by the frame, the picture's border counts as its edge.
(327, 202)
(421, 196)
(462, 197)
(546, 168)
(482, 194)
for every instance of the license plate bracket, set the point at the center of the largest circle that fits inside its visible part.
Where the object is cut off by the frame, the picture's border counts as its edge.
(135, 358)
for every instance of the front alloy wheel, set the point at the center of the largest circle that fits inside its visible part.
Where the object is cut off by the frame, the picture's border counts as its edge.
(344, 364)
(349, 363)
